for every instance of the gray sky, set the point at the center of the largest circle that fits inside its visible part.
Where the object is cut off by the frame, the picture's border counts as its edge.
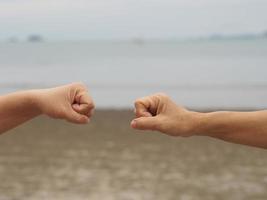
(120, 19)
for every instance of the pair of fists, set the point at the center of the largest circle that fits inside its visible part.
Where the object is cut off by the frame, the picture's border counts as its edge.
(157, 112)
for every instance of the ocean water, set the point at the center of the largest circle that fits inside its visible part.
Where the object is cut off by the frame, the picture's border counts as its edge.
(199, 74)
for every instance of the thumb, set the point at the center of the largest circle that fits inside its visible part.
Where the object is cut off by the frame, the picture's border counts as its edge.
(76, 118)
(145, 123)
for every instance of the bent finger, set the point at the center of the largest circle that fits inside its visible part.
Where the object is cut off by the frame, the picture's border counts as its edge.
(77, 118)
(83, 97)
(142, 106)
(83, 109)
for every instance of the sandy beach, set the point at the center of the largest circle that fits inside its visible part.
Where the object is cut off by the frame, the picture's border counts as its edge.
(51, 159)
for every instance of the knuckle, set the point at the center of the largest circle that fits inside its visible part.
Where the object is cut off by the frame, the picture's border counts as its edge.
(79, 85)
(137, 102)
(162, 95)
(91, 105)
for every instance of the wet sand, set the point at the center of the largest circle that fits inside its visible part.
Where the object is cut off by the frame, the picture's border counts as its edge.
(106, 160)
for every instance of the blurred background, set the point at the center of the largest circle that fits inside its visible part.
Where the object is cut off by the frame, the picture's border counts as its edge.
(207, 55)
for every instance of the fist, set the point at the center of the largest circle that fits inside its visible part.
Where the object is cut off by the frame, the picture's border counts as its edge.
(70, 102)
(159, 113)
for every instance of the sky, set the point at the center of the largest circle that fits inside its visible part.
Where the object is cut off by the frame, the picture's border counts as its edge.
(124, 19)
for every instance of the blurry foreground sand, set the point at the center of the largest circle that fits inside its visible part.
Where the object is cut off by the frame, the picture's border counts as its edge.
(106, 160)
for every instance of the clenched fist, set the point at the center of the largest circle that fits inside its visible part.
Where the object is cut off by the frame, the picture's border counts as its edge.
(71, 102)
(159, 113)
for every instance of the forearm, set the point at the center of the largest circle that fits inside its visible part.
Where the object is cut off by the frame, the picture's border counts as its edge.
(17, 108)
(248, 128)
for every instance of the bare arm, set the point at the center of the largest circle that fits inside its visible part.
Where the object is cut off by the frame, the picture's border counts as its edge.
(159, 112)
(71, 102)
(248, 128)
(16, 109)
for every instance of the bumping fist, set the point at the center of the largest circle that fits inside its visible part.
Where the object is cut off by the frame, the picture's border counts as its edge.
(71, 102)
(159, 113)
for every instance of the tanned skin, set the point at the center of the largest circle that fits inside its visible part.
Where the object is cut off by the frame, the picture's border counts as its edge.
(69, 102)
(159, 113)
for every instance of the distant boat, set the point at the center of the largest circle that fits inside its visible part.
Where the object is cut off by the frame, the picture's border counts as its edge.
(35, 38)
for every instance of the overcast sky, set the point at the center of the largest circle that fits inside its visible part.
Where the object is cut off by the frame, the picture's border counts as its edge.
(120, 19)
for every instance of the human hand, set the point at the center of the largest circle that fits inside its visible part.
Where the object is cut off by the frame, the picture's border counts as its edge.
(159, 113)
(70, 102)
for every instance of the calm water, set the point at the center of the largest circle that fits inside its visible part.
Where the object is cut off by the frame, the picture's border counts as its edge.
(197, 73)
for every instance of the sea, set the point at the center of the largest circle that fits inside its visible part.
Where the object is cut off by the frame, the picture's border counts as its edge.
(201, 74)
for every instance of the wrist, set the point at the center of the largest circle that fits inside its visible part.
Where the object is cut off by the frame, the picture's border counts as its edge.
(33, 99)
(198, 123)
(210, 124)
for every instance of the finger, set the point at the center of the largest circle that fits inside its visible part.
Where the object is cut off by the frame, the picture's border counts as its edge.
(84, 104)
(84, 98)
(83, 109)
(142, 106)
(77, 118)
(145, 123)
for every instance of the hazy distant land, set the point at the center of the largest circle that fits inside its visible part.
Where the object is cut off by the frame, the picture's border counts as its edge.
(141, 40)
